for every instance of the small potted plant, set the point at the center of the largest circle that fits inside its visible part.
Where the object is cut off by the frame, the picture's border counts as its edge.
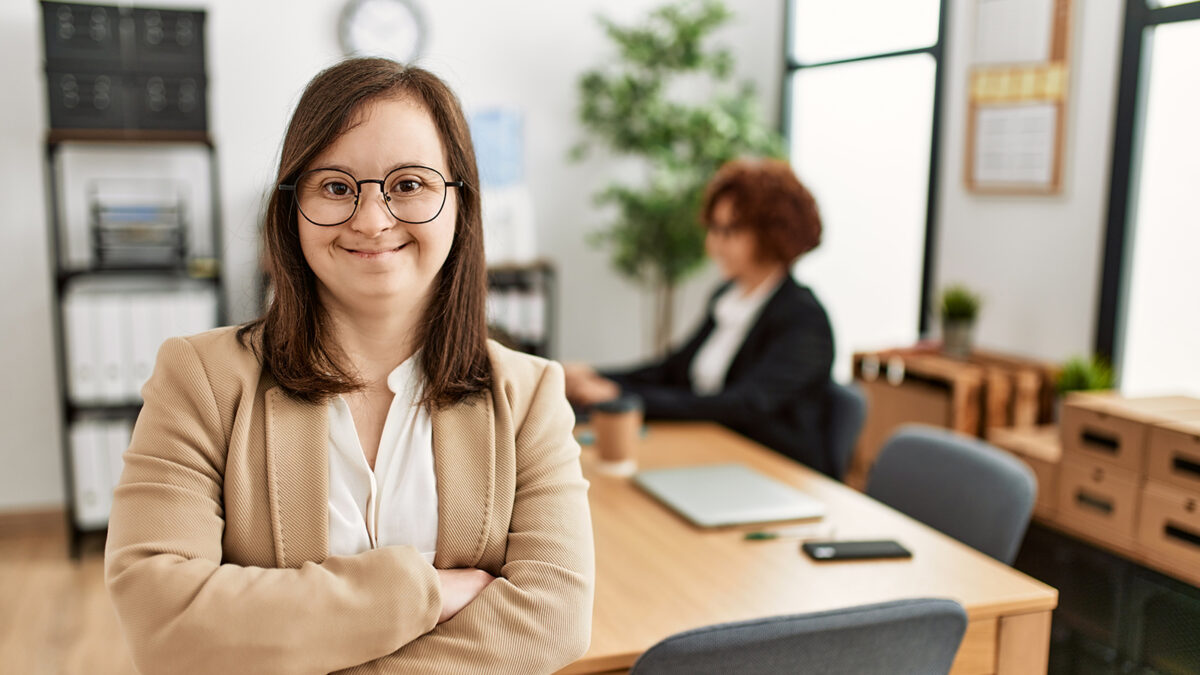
(1082, 374)
(960, 308)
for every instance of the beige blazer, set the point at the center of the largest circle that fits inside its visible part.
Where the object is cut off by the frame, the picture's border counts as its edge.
(217, 556)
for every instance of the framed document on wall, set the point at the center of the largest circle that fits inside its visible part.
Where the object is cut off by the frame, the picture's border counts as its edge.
(1017, 98)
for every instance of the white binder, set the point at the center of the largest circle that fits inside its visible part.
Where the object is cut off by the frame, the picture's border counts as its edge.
(93, 499)
(83, 381)
(144, 339)
(111, 348)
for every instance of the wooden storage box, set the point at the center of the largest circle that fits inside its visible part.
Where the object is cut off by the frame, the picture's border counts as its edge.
(1098, 500)
(1174, 455)
(1112, 429)
(912, 387)
(1169, 529)
(1040, 449)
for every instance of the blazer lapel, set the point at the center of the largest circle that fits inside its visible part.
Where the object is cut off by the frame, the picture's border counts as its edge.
(464, 463)
(297, 437)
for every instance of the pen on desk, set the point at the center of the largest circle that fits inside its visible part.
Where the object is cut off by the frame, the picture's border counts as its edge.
(797, 532)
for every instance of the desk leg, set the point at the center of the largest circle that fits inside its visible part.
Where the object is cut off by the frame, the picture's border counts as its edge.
(1024, 644)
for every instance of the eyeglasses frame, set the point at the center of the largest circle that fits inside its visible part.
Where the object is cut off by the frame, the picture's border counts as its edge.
(381, 182)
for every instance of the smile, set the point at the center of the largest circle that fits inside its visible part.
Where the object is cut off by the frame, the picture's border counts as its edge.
(371, 254)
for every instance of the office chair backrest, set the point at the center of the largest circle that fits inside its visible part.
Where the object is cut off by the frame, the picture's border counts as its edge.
(978, 494)
(847, 412)
(906, 636)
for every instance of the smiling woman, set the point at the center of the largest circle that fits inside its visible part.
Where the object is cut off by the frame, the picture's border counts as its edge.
(358, 478)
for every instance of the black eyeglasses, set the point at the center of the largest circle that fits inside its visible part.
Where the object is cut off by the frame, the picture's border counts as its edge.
(413, 194)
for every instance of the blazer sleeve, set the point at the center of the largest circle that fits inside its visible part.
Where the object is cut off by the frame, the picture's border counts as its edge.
(185, 611)
(798, 356)
(536, 616)
(673, 369)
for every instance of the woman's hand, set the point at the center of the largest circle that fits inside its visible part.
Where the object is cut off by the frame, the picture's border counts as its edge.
(585, 387)
(459, 588)
(596, 390)
(576, 376)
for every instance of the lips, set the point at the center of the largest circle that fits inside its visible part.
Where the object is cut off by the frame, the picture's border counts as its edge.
(373, 251)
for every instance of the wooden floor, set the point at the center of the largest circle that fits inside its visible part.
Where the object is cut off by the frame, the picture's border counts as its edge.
(55, 616)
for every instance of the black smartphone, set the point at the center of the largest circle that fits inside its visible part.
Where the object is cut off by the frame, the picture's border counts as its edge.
(854, 550)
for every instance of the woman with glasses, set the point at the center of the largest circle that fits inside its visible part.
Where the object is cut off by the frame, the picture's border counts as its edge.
(358, 477)
(759, 362)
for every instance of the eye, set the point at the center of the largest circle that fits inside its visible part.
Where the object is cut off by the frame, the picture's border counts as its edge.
(407, 185)
(337, 188)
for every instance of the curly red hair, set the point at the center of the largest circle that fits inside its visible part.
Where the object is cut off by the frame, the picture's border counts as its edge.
(771, 202)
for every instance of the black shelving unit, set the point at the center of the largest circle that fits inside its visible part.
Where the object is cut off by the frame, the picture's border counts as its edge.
(527, 292)
(120, 78)
(1113, 616)
(206, 271)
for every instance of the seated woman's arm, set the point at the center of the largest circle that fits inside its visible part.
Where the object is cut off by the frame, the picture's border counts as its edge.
(798, 357)
(673, 369)
(183, 611)
(536, 616)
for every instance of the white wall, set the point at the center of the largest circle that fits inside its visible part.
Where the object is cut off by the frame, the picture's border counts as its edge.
(1036, 260)
(525, 54)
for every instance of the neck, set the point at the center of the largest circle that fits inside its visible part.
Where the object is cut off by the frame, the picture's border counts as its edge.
(755, 278)
(375, 336)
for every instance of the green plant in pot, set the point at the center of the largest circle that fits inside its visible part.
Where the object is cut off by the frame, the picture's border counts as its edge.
(630, 106)
(1082, 374)
(960, 309)
(1085, 374)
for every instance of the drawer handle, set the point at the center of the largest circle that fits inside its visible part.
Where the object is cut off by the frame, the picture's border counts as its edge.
(1098, 474)
(1185, 466)
(1103, 441)
(1184, 535)
(1190, 506)
(1102, 505)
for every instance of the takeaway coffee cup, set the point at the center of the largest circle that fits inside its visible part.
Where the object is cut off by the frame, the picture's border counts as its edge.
(617, 425)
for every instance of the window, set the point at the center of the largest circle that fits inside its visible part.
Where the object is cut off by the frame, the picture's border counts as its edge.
(1148, 312)
(862, 97)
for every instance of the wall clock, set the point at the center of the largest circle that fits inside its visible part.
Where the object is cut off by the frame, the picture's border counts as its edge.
(393, 29)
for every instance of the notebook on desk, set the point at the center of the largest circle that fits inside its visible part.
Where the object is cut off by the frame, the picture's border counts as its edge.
(727, 494)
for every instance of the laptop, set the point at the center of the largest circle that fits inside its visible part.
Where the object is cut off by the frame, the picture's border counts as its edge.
(714, 495)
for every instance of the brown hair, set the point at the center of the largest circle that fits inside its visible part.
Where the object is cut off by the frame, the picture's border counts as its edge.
(292, 338)
(771, 202)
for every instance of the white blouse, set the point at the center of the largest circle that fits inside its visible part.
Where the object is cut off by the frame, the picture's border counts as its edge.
(396, 504)
(734, 313)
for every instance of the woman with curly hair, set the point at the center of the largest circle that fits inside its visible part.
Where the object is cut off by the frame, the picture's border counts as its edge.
(759, 362)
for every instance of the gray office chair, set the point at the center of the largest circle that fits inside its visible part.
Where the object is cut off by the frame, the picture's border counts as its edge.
(847, 412)
(962, 486)
(917, 637)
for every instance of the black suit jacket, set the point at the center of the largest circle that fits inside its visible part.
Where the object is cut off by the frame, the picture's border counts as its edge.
(775, 390)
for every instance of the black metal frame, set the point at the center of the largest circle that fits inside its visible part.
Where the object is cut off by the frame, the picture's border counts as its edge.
(937, 51)
(381, 182)
(61, 278)
(1139, 17)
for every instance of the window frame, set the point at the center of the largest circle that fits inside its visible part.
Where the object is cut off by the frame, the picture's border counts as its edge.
(937, 52)
(1140, 18)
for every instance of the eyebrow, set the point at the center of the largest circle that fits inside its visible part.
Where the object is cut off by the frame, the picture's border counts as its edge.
(397, 165)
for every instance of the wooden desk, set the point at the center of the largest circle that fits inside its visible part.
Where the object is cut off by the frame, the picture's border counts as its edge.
(656, 574)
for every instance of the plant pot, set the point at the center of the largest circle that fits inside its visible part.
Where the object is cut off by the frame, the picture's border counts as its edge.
(958, 335)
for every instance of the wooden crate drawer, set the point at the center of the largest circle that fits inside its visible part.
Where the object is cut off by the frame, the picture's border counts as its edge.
(1175, 455)
(1047, 491)
(1169, 529)
(1113, 429)
(1039, 448)
(1098, 499)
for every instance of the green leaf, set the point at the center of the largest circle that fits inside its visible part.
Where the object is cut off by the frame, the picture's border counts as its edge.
(654, 235)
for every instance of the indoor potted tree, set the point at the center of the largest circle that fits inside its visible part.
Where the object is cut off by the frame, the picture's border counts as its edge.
(960, 309)
(627, 105)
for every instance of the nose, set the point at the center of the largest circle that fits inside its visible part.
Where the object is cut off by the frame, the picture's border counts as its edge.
(372, 217)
